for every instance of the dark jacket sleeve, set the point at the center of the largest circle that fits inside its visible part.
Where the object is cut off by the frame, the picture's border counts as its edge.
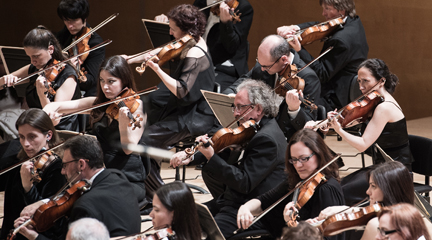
(91, 65)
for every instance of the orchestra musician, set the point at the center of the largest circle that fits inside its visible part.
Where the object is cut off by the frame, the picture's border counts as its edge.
(115, 75)
(273, 56)
(390, 183)
(231, 179)
(87, 228)
(306, 153)
(36, 134)
(174, 207)
(303, 231)
(43, 48)
(74, 14)
(186, 113)
(402, 221)
(337, 68)
(108, 200)
(387, 127)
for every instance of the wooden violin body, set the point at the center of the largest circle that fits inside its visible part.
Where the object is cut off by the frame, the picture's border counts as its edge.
(163, 234)
(41, 164)
(232, 4)
(113, 110)
(50, 75)
(318, 31)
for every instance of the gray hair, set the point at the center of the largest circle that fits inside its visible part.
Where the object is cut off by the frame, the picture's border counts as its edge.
(280, 46)
(88, 229)
(261, 94)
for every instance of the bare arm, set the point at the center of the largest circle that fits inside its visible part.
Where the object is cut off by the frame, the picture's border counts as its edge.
(128, 135)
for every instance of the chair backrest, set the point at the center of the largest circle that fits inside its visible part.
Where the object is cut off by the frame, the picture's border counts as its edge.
(321, 112)
(354, 89)
(421, 149)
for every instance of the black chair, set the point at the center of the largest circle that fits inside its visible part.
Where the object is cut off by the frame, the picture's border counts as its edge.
(421, 149)
(252, 234)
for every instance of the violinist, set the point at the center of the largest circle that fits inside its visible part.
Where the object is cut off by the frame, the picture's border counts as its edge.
(36, 134)
(74, 14)
(108, 200)
(337, 68)
(303, 231)
(54, 85)
(226, 38)
(115, 75)
(174, 207)
(306, 152)
(87, 228)
(273, 56)
(231, 179)
(387, 127)
(390, 183)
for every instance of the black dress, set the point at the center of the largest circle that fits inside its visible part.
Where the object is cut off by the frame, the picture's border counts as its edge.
(325, 195)
(16, 199)
(108, 135)
(32, 98)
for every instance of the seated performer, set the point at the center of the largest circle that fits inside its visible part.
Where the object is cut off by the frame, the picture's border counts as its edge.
(87, 229)
(402, 221)
(233, 180)
(337, 68)
(43, 49)
(115, 78)
(107, 200)
(22, 187)
(174, 207)
(74, 14)
(306, 153)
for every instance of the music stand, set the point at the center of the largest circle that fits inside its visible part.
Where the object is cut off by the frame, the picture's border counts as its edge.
(14, 58)
(208, 224)
(221, 105)
(158, 32)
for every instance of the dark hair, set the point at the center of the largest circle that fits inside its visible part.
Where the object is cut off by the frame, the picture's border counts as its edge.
(178, 198)
(41, 38)
(395, 182)
(303, 231)
(86, 147)
(38, 119)
(281, 46)
(316, 144)
(407, 220)
(379, 70)
(340, 5)
(189, 19)
(119, 68)
(73, 9)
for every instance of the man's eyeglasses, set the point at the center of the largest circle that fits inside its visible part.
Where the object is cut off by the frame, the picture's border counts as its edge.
(240, 108)
(302, 160)
(266, 68)
(63, 164)
(385, 233)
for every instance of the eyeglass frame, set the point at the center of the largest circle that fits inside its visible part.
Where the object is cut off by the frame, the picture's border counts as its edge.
(236, 108)
(63, 164)
(301, 160)
(385, 233)
(266, 68)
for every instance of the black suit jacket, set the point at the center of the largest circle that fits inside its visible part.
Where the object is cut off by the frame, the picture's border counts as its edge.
(312, 89)
(260, 169)
(338, 67)
(229, 41)
(110, 200)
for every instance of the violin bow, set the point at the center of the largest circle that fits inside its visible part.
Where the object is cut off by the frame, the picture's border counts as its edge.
(257, 218)
(102, 44)
(145, 91)
(91, 31)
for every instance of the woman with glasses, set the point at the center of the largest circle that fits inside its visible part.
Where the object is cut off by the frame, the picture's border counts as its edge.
(36, 134)
(306, 153)
(401, 222)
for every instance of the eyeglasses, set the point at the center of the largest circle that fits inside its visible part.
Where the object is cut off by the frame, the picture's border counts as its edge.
(266, 68)
(302, 160)
(63, 164)
(240, 108)
(385, 233)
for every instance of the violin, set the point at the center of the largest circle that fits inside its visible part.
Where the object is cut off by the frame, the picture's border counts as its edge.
(51, 74)
(227, 137)
(214, 8)
(342, 222)
(168, 52)
(162, 234)
(129, 98)
(40, 164)
(305, 193)
(58, 206)
(319, 31)
(357, 111)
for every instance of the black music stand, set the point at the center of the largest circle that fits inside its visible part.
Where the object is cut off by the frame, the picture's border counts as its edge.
(14, 58)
